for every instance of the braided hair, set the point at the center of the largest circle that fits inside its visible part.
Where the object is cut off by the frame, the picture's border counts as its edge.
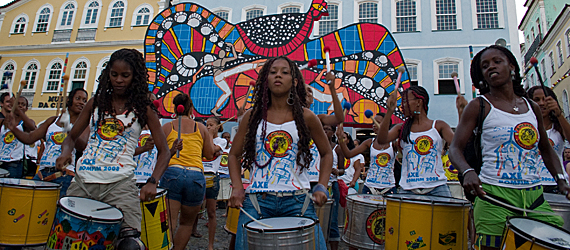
(477, 73)
(262, 102)
(420, 93)
(136, 94)
(555, 123)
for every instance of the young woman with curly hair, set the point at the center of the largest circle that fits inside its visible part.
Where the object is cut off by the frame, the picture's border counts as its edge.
(274, 139)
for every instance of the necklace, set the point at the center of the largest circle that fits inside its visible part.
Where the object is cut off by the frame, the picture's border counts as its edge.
(515, 107)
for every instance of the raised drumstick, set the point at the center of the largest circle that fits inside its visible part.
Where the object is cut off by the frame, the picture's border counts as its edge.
(22, 84)
(310, 64)
(454, 75)
(229, 119)
(63, 81)
(327, 51)
(346, 107)
(368, 113)
(179, 111)
(399, 79)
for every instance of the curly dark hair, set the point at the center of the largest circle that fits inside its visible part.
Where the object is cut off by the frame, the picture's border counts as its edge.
(185, 101)
(69, 100)
(217, 121)
(477, 73)
(136, 94)
(420, 93)
(549, 92)
(262, 102)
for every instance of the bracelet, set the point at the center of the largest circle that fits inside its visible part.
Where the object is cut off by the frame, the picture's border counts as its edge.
(467, 171)
(322, 188)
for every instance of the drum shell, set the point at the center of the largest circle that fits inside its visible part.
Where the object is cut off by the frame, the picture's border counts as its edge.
(324, 215)
(361, 221)
(155, 231)
(561, 206)
(232, 220)
(515, 238)
(291, 239)
(27, 211)
(436, 225)
(82, 230)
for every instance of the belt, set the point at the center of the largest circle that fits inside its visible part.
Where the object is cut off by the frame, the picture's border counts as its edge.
(186, 168)
(281, 194)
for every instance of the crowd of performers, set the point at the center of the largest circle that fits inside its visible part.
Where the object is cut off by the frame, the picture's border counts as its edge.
(295, 158)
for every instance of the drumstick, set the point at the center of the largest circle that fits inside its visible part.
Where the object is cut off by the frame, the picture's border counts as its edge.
(256, 221)
(101, 209)
(508, 206)
(64, 119)
(251, 86)
(311, 64)
(346, 106)
(63, 81)
(327, 51)
(368, 113)
(22, 84)
(399, 79)
(454, 75)
(229, 119)
(179, 110)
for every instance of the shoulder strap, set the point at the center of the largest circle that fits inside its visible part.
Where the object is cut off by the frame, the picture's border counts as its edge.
(479, 128)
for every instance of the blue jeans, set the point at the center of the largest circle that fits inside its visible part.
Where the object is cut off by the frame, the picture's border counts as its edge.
(185, 186)
(366, 190)
(334, 233)
(273, 206)
(15, 168)
(442, 190)
(64, 181)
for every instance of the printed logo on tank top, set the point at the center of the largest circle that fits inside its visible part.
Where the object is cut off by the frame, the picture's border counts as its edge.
(346, 163)
(58, 137)
(551, 142)
(224, 160)
(383, 159)
(9, 137)
(143, 139)
(111, 128)
(526, 135)
(278, 143)
(423, 144)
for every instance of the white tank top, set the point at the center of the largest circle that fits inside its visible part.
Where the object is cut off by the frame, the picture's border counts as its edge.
(212, 166)
(315, 166)
(510, 149)
(557, 143)
(349, 171)
(32, 150)
(11, 149)
(381, 172)
(282, 174)
(145, 161)
(54, 139)
(224, 162)
(421, 162)
(333, 177)
(108, 156)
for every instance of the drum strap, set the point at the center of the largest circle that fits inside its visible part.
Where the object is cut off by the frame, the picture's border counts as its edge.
(375, 191)
(421, 191)
(253, 199)
(498, 201)
(81, 185)
(306, 203)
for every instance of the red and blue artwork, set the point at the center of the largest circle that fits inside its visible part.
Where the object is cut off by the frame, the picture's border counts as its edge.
(191, 50)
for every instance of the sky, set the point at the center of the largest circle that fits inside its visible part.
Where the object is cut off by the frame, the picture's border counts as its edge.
(520, 13)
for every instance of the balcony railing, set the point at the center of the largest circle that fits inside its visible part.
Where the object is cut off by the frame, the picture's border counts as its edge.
(86, 34)
(61, 36)
(533, 47)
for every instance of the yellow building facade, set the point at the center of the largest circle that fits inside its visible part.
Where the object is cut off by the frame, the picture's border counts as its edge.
(36, 36)
(556, 45)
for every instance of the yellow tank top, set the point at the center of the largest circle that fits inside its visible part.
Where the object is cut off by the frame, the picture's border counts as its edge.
(191, 154)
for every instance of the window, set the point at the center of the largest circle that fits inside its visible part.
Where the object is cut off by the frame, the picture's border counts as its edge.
(143, 16)
(79, 75)
(446, 15)
(117, 12)
(406, 15)
(31, 76)
(223, 14)
(329, 23)
(53, 77)
(487, 14)
(43, 19)
(253, 13)
(413, 73)
(100, 68)
(368, 13)
(565, 104)
(291, 9)
(7, 76)
(20, 26)
(568, 43)
(531, 82)
(442, 69)
(67, 17)
(560, 54)
(543, 68)
(92, 11)
(551, 57)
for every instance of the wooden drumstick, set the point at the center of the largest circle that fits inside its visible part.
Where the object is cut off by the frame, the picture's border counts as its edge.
(369, 114)
(22, 84)
(256, 221)
(399, 79)
(62, 94)
(229, 119)
(327, 51)
(311, 64)
(456, 82)
(63, 82)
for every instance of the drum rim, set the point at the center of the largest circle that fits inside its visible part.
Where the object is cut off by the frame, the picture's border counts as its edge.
(281, 230)
(382, 202)
(460, 203)
(567, 203)
(53, 184)
(539, 241)
(89, 217)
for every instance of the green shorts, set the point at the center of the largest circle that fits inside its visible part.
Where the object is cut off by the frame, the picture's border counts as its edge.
(490, 219)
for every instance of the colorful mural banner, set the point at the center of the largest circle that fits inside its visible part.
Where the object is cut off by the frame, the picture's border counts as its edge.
(191, 50)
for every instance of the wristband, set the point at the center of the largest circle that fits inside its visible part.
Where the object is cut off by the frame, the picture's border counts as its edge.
(467, 171)
(322, 188)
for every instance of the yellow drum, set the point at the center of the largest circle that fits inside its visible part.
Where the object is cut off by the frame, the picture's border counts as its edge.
(523, 233)
(433, 222)
(232, 220)
(155, 231)
(27, 209)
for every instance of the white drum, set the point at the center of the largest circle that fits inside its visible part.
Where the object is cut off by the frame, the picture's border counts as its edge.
(365, 216)
(288, 233)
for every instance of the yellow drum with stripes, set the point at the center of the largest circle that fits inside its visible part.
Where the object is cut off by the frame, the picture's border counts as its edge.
(523, 233)
(155, 232)
(232, 220)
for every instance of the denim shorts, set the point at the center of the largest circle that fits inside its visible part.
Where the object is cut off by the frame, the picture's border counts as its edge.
(212, 192)
(186, 186)
(65, 180)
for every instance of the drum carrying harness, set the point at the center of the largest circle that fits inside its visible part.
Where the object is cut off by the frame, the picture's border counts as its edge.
(375, 191)
(498, 201)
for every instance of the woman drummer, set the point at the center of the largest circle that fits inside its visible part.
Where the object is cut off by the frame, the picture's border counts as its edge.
(512, 141)
(274, 139)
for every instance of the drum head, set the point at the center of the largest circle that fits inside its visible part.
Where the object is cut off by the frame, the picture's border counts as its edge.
(367, 198)
(281, 224)
(556, 199)
(87, 208)
(25, 183)
(546, 234)
(428, 199)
